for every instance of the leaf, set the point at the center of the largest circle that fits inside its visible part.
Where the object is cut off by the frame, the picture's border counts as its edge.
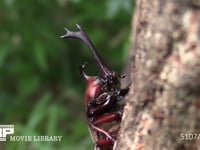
(3, 54)
(28, 85)
(40, 56)
(39, 112)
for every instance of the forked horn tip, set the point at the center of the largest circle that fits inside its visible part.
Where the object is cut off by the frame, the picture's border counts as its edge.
(66, 29)
(122, 75)
(66, 34)
(62, 36)
(78, 26)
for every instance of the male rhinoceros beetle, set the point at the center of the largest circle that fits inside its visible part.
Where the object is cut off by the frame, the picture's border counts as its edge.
(102, 97)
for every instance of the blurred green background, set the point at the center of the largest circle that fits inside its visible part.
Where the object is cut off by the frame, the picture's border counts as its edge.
(41, 89)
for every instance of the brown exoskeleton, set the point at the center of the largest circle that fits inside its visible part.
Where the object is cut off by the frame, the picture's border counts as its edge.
(102, 97)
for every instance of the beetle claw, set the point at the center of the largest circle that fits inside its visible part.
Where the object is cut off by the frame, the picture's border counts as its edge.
(122, 75)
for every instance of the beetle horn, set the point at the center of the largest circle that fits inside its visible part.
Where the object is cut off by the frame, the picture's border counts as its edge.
(83, 37)
(86, 77)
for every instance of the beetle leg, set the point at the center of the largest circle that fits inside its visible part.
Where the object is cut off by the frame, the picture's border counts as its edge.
(100, 100)
(103, 143)
(110, 101)
(105, 102)
(108, 117)
(122, 75)
(99, 130)
(104, 98)
(123, 92)
(95, 146)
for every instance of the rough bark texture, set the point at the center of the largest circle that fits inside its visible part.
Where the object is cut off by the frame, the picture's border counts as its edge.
(163, 105)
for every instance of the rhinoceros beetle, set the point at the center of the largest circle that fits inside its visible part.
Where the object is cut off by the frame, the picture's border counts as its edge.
(103, 97)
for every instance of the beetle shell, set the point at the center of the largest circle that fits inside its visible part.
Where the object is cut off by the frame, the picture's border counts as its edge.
(92, 89)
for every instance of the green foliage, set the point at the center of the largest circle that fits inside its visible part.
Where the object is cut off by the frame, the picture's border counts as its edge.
(41, 90)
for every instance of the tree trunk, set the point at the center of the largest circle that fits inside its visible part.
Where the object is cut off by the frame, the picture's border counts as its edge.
(163, 105)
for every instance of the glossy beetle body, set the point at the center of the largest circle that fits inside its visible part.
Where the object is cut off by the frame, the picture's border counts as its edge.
(93, 87)
(102, 97)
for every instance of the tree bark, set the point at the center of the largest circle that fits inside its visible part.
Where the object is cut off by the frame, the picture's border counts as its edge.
(163, 106)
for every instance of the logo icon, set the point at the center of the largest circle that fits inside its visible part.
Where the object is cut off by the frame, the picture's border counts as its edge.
(5, 130)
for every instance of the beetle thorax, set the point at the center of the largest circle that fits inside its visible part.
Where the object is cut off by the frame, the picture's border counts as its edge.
(92, 89)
